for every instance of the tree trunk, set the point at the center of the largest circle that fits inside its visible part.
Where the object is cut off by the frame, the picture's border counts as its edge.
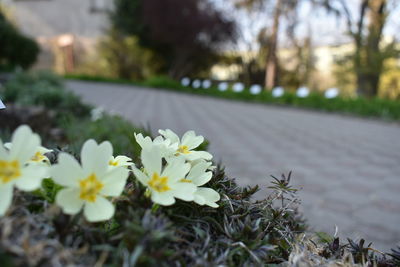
(368, 59)
(272, 59)
(358, 65)
(374, 58)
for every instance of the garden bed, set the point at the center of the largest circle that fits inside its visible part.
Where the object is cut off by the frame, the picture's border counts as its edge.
(362, 107)
(231, 230)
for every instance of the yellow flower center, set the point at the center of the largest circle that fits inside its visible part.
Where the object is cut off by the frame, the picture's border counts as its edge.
(38, 157)
(9, 170)
(159, 184)
(90, 187)
(183, 149)
(186, 180)
(113, 163)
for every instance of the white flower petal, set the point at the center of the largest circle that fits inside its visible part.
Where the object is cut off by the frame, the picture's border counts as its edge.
(69, 201)
(68, 171)
(140, 176)
(95, 157)
(24, 144)
(114, 182)
(198, 174)
(123, 160)
(199, 199)
(6, 194)
(3, 152)
(165, 198)
(151, 160)
(31, 177)
(210, 195)
(7, 145)
(176, 169)
(100, 210)
(192, 141)
(184, 191)
(168, 134)
(144, 142)
(44, 150)
(194, 155)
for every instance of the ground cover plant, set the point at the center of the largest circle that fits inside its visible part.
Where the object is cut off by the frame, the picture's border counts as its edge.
(144, 213)
(360, 106)
(158, 201)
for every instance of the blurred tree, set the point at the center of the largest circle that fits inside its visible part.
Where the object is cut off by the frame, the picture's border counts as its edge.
(187, 35)
(280, 8)
(16, 50)
(370, 53)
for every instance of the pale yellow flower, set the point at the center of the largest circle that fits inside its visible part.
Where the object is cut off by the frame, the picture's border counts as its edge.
(89, 185)
(14, 167)
(165, 183)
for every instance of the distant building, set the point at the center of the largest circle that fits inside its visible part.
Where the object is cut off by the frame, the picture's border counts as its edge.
(65, 29)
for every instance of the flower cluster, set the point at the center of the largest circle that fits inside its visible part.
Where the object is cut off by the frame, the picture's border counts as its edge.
(172, 168)
(184, 173)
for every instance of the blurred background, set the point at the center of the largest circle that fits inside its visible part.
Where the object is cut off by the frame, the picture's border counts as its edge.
(348, 167)
(352, 45)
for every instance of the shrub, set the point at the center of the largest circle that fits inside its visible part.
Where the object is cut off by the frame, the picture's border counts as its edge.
(112, 128)
(16, 50)
(43, 89)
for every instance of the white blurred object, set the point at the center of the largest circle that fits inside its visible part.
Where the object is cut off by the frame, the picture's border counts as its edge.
(223, 86)
(206, 84)
(2, 106)
(185, 81)
(196, 84)
(278, 91)
(65, 40)
(96, 113)
(255, 89)
(302, 92)
(331, 93)
(238, 87)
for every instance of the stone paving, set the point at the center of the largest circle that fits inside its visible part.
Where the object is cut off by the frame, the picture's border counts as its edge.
(348, 168)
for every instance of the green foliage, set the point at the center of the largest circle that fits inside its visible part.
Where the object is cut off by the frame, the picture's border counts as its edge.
(121, 56)
(161, 82)
(43, 89)
(185, 36)
(360, 106)
(241, 232)
(112, 128)
(16, 50)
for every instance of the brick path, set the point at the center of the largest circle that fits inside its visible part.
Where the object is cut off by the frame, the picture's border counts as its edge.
(349, 168)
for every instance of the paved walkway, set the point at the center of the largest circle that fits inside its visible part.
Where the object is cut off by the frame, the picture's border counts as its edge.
(349, 168)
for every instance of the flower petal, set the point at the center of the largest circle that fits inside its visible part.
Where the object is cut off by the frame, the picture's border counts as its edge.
(31, 177)
(151, 159)
(198, 174)
(68, 171)
(168, 134)
(165, 198)
(192, 141)
(69, 201)
(184, 191)
(95, 157)
(199, 199)
(24, 144)
(114, 182)
(194, 155)
(210, 195)
(143, 178)
(176, 169)
(100, 210)
(144, 142)
(3, 151)
(6, 194)
(123, 160)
